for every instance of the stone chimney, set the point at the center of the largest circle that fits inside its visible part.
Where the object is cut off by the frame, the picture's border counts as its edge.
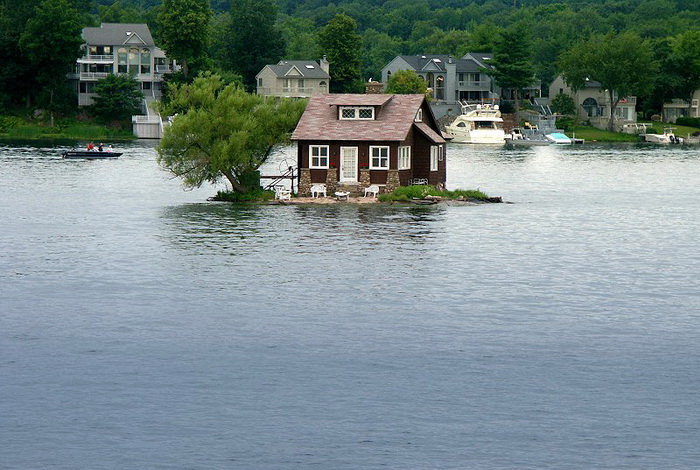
(324, 65)
(374, 88)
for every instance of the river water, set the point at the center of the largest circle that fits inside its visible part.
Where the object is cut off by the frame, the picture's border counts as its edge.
(143, 327)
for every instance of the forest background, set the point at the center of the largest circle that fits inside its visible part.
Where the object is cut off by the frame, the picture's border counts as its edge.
(241, 36)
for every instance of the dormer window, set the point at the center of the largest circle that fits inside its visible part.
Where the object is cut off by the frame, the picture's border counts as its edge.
(365, 113)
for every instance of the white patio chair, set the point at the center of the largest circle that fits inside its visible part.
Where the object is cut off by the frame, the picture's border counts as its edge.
(318, 189)
(282, 193)
(372, 190)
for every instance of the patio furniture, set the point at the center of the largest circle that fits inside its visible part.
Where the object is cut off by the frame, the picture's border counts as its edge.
(372, 190)
(282, 193)
(318, 189)
(342, 195)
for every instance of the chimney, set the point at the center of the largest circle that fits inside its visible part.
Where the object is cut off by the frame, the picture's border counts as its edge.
(324, 65)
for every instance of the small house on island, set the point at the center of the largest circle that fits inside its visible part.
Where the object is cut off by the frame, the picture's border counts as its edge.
(349, 142)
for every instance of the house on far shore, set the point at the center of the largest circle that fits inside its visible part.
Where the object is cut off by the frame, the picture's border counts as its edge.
(120, 48)
(294, 78)
(681, 108)
(349, 142)
(593, 104)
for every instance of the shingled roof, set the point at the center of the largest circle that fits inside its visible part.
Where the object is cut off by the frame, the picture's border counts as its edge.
(394, 118)
(115, 34)
(306, 69)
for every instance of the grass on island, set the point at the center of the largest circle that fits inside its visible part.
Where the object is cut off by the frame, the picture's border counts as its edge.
(409, 193)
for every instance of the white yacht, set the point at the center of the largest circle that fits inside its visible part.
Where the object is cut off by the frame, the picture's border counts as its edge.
(478, 124)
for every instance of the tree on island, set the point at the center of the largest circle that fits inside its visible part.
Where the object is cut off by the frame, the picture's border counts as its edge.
(404, 82)
(222, 131)
(512, 66)
(343, 48)
(184, 29)
(623, 64)
(118, 97)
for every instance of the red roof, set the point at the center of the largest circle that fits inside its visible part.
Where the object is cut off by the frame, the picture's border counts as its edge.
(394, 117)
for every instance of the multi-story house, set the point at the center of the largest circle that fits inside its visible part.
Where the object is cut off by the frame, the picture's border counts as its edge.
(593, 103)
(120, 48)
(294, 78)
(681, 108)
(450, 80)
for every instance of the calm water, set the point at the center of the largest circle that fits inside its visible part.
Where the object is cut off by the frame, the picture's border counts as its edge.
(143, 327)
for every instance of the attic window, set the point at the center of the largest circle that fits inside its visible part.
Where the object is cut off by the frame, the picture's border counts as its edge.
(419, 115)
(365, 113)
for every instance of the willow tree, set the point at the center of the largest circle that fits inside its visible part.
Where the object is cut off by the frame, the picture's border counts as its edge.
(220, 131)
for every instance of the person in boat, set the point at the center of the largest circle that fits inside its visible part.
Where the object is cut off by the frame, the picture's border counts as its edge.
(100, 147)
(91, 147)
(110, 149)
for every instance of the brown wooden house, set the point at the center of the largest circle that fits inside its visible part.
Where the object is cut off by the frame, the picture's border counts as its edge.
(349, 142)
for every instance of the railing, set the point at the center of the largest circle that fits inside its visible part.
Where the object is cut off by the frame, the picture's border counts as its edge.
(292, 91)
(97, 58)
(473, 84)
(93, 75)
(138, 76)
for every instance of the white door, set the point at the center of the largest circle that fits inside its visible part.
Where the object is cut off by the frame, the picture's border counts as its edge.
(348, 164)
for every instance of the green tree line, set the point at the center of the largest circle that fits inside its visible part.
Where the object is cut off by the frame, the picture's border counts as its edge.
(359, 37)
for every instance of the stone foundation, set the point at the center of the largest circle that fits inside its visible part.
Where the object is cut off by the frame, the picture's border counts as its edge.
(392, 181)
(304, 182)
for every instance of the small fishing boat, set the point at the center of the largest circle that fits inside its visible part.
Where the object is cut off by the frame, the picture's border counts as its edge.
(668, 137)
(90, 154)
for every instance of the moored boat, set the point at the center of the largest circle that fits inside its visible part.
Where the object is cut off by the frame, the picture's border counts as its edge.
(478, 124)
(668, 137)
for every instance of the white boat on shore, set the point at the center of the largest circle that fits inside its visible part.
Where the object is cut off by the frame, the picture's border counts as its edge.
(478, 124)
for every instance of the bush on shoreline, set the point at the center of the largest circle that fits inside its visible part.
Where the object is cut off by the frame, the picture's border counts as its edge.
(408, 193)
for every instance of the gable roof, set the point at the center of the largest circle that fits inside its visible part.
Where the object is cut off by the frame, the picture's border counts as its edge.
(305, 68)
(115, 34)
(437, 63)
(394, 118)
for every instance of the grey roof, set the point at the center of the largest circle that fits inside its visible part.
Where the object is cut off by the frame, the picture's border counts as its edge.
(307, 68)
(418, 62)
(115, 34)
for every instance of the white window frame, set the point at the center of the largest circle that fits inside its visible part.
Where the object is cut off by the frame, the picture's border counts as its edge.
(382, 159)
(320, 156)
(405, 158)
(419, 115)
(434, 154)
(356, 111)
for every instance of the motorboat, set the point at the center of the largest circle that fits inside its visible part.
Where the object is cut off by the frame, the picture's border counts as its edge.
(559, 138)
(90, 154)
(478, 124)
(668, 137)
(525, 138)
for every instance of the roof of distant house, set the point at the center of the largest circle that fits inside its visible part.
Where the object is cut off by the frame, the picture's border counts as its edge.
(307, 69)
(394, 118)
(419, 62)
(113, 34)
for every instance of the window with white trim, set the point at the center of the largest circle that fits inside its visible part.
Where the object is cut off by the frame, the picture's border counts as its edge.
(357, 113)
(419, 115)
(434, 153)
(379, 158)
(404, 158)
(318, 156)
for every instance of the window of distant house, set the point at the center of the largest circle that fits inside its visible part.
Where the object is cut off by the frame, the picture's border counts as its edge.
(122, 61)
(260, 82)
(434, 157)
(379, 158)
(356, 112)
(145, 61)
(419, 115)
(404, 158)
(319, 156)
(133, 60)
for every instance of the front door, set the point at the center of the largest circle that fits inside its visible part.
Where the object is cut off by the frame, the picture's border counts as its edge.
(348, 164)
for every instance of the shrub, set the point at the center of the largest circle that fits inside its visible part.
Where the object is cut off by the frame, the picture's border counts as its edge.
(688, 121)
(407, 193)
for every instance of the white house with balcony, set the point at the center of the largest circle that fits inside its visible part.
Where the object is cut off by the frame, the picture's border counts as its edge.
(120, 48)
(294, 78)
